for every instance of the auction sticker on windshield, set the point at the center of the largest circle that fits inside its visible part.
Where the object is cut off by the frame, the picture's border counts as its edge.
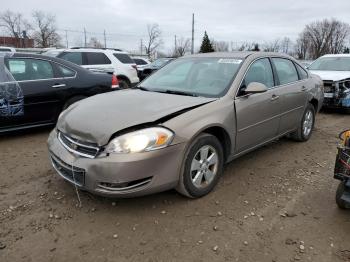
(229, 61)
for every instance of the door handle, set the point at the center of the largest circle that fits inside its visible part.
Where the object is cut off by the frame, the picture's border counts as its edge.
(274, 97)
(59, 85)
(303, 89)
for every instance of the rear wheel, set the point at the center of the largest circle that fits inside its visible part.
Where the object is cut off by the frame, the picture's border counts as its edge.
(124, 84)
(304, 131)
(340, 191)
(203, 166)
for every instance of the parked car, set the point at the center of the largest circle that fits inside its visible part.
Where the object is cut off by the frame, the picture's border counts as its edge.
(183, 123)
(105, 60)
(7, 49)
(141, 63)
(34, 89)
(305, 63)
(152, 67)
(335, 73)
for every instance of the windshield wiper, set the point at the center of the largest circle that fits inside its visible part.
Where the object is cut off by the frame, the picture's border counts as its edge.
(176, 92)
(142, 88)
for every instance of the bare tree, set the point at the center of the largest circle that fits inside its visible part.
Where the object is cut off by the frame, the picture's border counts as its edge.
(220, 46)
(45, 34)
(14, 24)
(154, 39)
(285, 45)
(323, 37)
(182, 46)
(94, 42)
(301, 46)
(272, 46)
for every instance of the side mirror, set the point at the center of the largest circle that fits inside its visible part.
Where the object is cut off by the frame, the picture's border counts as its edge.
(255, 88)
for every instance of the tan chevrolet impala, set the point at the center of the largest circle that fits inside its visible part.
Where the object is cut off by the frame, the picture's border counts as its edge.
(180, 126)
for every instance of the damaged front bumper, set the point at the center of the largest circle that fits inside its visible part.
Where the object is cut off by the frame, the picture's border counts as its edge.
(336, 94)
(118, 175)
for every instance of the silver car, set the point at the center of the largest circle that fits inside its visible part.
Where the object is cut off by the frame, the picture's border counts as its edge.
(180, 126)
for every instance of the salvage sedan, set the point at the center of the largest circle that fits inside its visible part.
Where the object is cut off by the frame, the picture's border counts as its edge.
(335, 73)
(183, 123)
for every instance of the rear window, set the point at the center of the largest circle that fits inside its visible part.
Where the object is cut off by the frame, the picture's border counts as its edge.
(140, 61)
(124, 58)
(302, 72)
(286, 71)
(66, 72)
(95, 58)
(74, 57)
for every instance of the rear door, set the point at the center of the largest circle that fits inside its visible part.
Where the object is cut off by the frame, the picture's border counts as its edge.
(292, 91)
(40, 87)
(97, 61)
(258, 115)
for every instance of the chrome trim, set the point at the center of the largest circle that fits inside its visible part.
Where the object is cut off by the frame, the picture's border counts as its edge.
(79, 144)
(125, 188)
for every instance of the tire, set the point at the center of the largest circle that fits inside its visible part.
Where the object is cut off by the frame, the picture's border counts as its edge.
(304, 131)
(124, 84)
(72, 100)
(207, 173)
(341, 203)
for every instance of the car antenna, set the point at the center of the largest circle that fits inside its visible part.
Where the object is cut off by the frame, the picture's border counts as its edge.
(75, 185)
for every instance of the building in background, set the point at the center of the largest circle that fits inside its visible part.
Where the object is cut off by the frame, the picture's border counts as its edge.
(16, 42)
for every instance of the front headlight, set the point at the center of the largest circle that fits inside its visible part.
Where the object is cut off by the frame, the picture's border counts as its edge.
(140, 141)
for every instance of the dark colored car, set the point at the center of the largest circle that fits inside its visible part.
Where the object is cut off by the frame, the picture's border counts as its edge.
(154, 66)
(34, 89)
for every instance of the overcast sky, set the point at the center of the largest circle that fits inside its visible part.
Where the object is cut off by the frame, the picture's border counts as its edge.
(125, 21)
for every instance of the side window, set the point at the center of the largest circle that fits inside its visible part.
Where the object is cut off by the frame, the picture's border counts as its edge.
(65, 71)
(74, 57)
(139, 61)
(260, 71)
(286, 71)
(302, 72)
(95, 58)
(124, 58)
(30, 69)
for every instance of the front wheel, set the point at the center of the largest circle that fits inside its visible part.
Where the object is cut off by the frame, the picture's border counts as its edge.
(304, 131)
(203, 166)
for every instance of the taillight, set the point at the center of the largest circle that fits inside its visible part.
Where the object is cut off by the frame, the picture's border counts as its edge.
(115, 83)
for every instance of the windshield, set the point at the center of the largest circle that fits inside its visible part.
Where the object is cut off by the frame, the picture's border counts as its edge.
(208, 77)
(331, 64)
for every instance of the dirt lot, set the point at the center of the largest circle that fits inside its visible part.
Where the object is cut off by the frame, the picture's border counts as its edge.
(275, 204)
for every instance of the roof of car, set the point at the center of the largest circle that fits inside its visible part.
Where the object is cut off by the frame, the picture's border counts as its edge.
(337, 55)
(83, 49)
(238, 54)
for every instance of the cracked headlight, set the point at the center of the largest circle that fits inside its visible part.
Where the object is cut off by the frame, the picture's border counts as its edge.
(344, 84)
(143, 140)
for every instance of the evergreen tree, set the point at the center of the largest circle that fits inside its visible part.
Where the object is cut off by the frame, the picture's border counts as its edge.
(346, 50)
(206, 46)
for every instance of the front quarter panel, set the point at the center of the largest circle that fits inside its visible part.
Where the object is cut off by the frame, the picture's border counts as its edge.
(219, 113)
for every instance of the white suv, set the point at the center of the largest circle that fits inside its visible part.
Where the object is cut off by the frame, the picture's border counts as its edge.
(108, 60)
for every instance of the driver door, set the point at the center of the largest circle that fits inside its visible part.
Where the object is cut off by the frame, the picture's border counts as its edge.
(257, 115)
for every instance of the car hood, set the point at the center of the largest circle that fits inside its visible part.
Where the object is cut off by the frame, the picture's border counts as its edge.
(332, 75)
(97, 118)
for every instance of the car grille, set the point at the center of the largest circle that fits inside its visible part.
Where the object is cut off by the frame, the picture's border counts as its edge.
(328, 86)
(77, 147)
(73, 174)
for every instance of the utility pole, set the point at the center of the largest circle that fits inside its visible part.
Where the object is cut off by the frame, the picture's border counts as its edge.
(141, 46)
(192, 45)
(84, 37)
(104, 37)
(66, 39)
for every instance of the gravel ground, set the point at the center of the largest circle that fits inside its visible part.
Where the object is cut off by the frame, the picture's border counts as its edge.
(274, 204)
